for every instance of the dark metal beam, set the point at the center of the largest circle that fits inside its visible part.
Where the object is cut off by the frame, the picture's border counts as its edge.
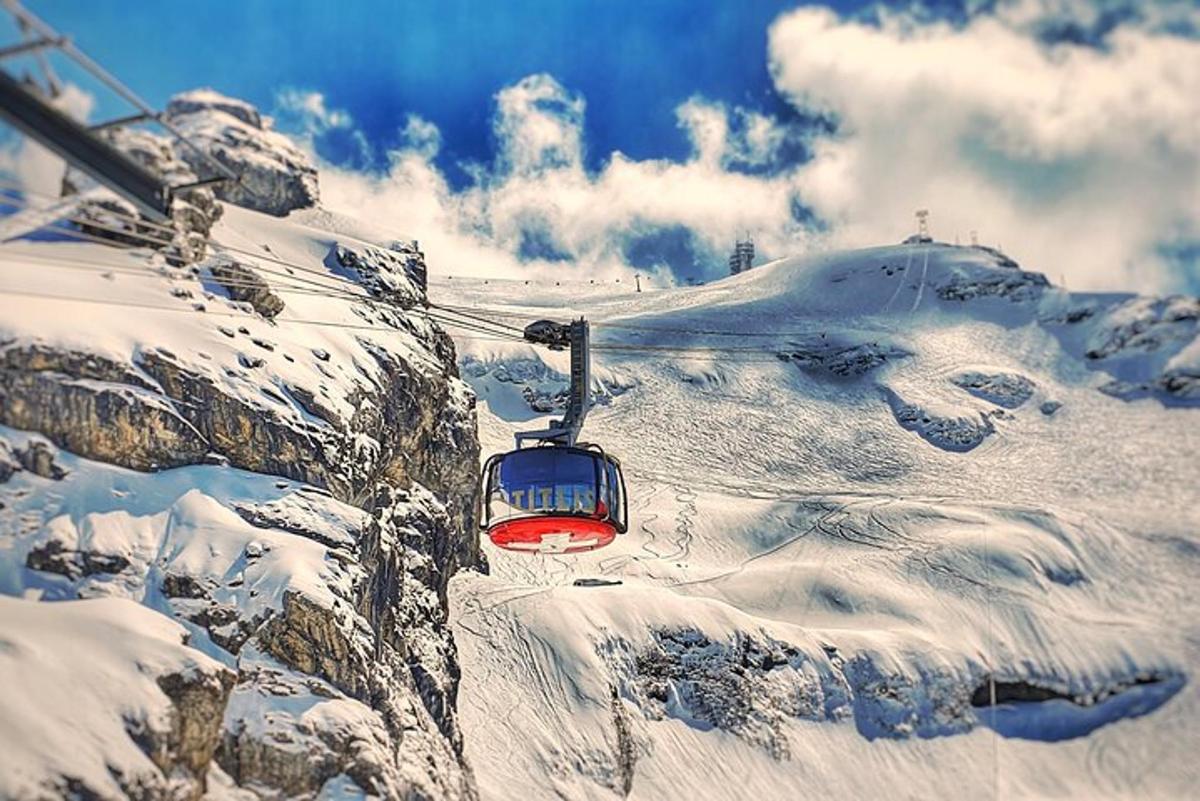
(82, 149)
(30, 46)
(132, 119)
(216, 179)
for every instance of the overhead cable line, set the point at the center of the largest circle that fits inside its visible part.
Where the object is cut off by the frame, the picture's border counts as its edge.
(192, 310)
(463, 318)
(331, 285)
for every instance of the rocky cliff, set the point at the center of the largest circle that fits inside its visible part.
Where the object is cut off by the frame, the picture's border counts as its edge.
(264, 463)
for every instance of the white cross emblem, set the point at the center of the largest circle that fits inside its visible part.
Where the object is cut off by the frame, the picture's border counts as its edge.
(559, 542)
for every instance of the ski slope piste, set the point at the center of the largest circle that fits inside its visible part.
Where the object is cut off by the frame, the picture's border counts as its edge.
(907, 520)
(902, 521)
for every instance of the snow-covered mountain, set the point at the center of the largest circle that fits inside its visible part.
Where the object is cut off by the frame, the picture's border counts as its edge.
(913, 469)
(871, 493)
(234, 482)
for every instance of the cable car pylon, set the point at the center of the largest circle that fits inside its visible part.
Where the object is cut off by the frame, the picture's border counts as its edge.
(553, 494)
(30, 111)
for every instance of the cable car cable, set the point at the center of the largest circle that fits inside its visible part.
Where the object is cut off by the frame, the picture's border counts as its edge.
(470, 321)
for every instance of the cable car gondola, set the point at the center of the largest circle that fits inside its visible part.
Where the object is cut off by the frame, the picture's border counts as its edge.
(555, 496)
(553, 499)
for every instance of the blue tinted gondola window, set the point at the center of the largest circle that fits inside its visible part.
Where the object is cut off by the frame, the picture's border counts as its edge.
(612, 491)
(544, 481)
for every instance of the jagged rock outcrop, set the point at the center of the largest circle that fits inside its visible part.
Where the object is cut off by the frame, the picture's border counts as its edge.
(296, 497)
(335, 611)
(1144, 344)
(958, 432)
(422, 424)
(193, 211)
(1017, 286)
(839, 359)
(378, 269)
(244, 284)
(1009, 390)
(752, 684)
(275, 176)
(151, 706)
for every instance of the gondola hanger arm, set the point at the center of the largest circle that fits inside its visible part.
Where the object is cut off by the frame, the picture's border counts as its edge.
(574, 336)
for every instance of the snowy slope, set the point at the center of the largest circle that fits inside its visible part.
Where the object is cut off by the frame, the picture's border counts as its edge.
(914, 468)
(195, 489)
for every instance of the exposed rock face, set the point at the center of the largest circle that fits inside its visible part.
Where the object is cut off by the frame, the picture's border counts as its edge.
(94, 407)
(276, 176)
(365, 652)
(320, 573)
(841, 360)
(1145, 325)
(958, 433)
(378, 269)
(753, 684)
(123, 672)
(110, 412)
(1009, 390)
(1017, 286)
(1141, 343)
(190, 740)
(244, 284)
(193, 211)
(747, 687)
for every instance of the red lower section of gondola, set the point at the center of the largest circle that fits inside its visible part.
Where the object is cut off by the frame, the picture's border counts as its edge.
(552, 534)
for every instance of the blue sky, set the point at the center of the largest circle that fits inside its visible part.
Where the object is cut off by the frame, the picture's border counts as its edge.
(633, 60)
(1063, 130)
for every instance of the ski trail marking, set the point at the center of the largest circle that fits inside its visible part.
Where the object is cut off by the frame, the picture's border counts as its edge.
(900, 283)
(921, 286)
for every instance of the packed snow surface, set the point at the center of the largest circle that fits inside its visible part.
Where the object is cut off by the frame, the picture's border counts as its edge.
(178, 569)
(871, 492)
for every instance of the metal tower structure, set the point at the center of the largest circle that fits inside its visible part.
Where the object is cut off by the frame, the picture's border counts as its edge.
(30, 109)
(576, 336)
(923, 225)
(742, 258)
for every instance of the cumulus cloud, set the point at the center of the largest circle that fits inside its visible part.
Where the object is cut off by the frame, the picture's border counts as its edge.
(310, 109)
(329, 132)
(421, 136)
(539, 125)
(1078, 159)
(739, 139)
(1068, 136)
(537, 210)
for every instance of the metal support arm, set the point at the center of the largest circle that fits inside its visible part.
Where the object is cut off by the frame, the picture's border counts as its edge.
(557, 336)
(34, 117)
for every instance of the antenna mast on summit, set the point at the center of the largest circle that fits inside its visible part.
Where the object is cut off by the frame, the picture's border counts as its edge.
(923, 225)
(742, 258)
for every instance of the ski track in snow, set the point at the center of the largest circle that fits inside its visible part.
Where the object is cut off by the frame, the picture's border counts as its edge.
(921, 283)
(770, 502)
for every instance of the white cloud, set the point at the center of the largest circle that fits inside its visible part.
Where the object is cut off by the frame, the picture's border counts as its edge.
(539, 126)
(724, 136)
(1078, 160)
(421, 135)
(539, 190)
(310, 110)
(307, 116)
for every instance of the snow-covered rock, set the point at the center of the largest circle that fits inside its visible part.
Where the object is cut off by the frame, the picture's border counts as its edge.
(869, 492)
(193, 211)
(275, 176)
(1009, 390)
(288, 475)
(103, 699)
